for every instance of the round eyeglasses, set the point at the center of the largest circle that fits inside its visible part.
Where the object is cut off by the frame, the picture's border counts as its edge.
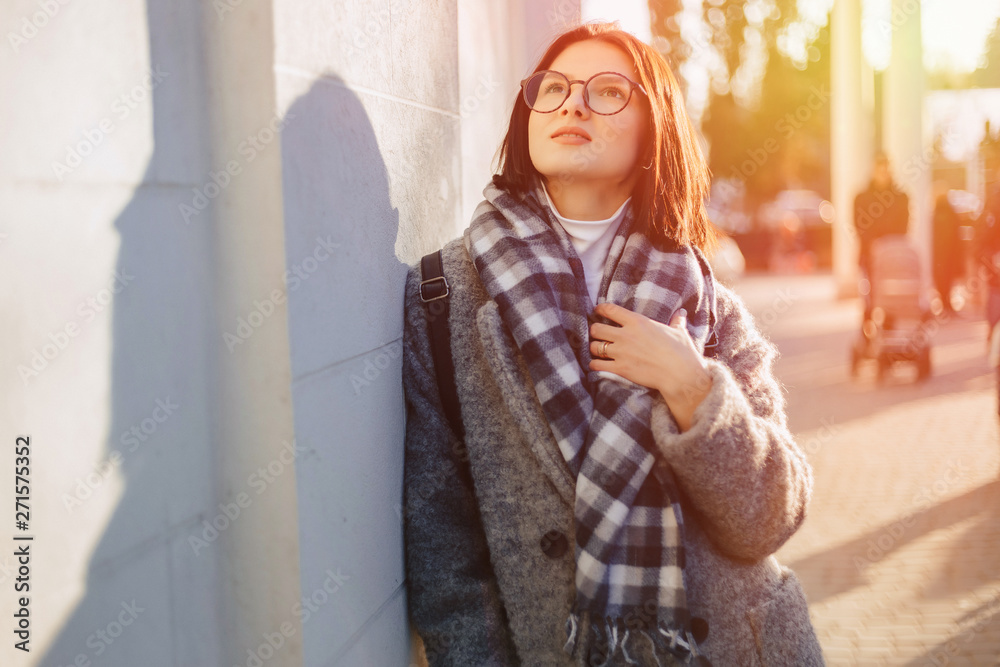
(605, 93)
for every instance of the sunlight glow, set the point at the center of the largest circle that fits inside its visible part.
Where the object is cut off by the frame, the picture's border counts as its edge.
(954, 34)
(632, 14)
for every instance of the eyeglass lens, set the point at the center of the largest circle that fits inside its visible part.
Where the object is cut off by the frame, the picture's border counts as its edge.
(606, 93)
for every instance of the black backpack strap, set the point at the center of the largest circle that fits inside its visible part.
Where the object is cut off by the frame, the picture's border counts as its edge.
(434, 293)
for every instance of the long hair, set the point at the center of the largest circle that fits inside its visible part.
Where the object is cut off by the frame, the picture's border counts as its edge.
(669, 196)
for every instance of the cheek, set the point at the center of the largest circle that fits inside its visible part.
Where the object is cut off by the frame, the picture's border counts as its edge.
(534, 131)
(626, 134)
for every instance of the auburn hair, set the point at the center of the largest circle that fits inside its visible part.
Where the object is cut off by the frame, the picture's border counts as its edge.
(669, 195)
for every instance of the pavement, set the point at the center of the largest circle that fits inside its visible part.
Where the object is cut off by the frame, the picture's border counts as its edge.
(900, 552)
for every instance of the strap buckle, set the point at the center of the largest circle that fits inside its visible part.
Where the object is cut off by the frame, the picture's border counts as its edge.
(430, 280)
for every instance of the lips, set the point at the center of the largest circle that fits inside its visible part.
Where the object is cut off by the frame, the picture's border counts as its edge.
(571, 131)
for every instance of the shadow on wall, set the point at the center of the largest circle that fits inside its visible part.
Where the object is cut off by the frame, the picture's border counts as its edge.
(336, 186)
(156, 572)
(149, 599)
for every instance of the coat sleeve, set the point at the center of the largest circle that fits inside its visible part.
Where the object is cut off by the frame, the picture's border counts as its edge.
(453, 598)
(738, 465)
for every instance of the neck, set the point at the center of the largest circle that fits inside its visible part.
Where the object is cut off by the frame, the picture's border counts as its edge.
(587, 201)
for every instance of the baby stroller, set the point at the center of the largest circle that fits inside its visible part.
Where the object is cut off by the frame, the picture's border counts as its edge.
(896, 328)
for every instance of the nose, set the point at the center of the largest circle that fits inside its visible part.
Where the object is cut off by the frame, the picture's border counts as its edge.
(574, 104)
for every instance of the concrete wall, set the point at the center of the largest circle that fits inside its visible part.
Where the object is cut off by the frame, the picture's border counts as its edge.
(204, 269)
(89, 266)
(145, 424)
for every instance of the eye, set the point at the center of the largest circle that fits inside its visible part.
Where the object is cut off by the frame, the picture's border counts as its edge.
(553, 87)
(614, 91)
(611, 87)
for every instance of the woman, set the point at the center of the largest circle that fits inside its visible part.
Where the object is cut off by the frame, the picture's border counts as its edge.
(625, 490)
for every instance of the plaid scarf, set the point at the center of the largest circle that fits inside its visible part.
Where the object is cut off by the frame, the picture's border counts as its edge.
(629, 553)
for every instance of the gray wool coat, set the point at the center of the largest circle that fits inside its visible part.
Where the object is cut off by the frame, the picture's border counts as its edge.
(490, 572)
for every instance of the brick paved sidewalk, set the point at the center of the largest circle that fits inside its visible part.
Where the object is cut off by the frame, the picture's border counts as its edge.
(900, 554)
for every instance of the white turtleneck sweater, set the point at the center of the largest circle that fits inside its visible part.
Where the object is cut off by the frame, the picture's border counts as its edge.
(592, 241)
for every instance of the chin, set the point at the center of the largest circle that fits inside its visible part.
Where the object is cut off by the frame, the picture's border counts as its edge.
(573, 175)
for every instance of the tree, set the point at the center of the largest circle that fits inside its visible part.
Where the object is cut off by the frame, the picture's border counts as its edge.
(770, 130)
(988, 75)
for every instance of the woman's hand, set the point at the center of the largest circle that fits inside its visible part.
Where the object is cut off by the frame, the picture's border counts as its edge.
(654, 355)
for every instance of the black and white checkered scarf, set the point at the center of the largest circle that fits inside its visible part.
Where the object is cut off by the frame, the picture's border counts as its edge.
(629, 553)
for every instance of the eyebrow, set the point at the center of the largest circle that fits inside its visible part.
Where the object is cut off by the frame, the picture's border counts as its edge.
(572, 77)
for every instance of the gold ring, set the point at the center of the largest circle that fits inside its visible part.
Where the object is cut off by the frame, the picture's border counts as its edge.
(604, 350)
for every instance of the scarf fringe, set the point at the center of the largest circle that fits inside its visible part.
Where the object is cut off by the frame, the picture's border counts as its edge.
(665, 642)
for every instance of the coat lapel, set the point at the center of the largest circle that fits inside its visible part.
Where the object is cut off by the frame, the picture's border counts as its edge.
(517, 387)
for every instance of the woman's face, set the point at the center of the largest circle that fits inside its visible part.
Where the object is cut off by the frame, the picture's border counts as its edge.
(609, 150)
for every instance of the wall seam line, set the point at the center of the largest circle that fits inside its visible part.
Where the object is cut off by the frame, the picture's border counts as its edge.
(324, 78)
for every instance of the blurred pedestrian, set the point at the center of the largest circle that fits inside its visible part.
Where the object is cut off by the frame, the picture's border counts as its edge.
(879, 210)
(946, 250)
(987, 251)
(987, 256)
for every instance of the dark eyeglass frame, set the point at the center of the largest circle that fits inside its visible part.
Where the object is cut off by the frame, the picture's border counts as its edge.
(586, 96)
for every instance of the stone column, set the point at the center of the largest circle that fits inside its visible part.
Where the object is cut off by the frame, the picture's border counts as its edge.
(254, 436)
(907, 140)
(851, 136)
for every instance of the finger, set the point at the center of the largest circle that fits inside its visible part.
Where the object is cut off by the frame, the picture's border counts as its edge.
(602, 331)
(597, 349)
(614, 312)
(679, 319)
(598, 364)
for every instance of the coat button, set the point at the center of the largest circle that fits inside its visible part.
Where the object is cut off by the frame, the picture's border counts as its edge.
(699, 629)
(554, 544)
